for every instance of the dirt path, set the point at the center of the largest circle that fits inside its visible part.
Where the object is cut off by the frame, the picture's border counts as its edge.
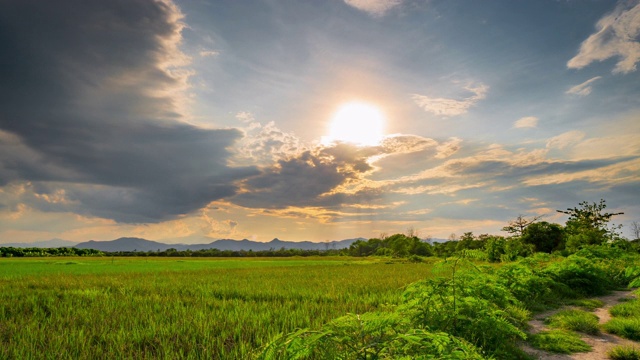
(601, 343)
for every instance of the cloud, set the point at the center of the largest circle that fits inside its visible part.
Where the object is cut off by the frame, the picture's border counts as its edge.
(265, 144)
(209, 53)
(448, 148)
(404, 144)
(526, 122)
(583, 89)
(96, 113)
(451, 107)
(308, 179)
(616, 36)
(565, 139)
(375, 8)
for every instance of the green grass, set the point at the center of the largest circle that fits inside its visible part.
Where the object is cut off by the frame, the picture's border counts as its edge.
(181, 308)
(588, 304)
(626, 320)
(626, 309)
(628, 328)
(574, 320)
(624, 353)
(559, 341)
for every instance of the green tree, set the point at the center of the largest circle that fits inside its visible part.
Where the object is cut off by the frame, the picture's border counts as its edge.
(519, 225)
(545, 237)
(588, 224)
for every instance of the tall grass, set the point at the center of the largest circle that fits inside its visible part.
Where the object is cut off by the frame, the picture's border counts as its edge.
(148, 308)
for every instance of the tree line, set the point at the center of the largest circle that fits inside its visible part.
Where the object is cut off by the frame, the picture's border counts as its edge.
(588, 224)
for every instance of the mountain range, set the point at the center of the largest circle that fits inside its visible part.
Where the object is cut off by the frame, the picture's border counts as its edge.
(138, 244)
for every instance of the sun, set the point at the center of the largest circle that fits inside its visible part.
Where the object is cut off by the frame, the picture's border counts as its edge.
(357, 123)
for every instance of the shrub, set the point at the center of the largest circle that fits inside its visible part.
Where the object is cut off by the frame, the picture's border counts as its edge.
(472, 306)
(581, 275)
(373, 335)
(532, 288)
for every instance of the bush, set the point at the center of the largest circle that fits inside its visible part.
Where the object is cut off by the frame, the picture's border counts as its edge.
(374, 335)
(533, 288)
(581, 275)
(472, 306)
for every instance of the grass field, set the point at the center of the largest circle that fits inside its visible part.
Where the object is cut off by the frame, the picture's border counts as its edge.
(181, 308)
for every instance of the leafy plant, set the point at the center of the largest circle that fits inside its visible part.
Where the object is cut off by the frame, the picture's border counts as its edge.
(581, 275)
(472, 305)
(374, 335)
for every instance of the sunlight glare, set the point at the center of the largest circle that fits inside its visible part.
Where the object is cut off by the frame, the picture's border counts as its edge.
(357, 123)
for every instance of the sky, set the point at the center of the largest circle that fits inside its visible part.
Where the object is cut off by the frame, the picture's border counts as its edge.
(187, 121)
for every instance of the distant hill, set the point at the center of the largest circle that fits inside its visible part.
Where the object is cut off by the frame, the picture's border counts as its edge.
(53, 243)
(138, 244)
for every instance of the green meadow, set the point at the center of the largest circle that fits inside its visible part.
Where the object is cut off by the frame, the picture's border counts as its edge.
(88, 308)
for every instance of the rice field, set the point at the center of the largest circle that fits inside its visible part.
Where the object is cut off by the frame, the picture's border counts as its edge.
(106, 308)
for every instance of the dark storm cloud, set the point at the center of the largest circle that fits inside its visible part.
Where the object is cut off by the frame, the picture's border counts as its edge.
(309, 178)
(89, 103)
(508, 169)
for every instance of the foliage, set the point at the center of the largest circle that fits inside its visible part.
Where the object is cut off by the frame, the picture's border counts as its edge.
(495, 248)
(581, 275)
(518, 226)
(575, 320)
(530, 285)
(516, 248)
(374, 335)
(624, 353)
(545, 237)
(471, 305)
(588, 224)
(397, 245)
(44, 252)
(559, 341)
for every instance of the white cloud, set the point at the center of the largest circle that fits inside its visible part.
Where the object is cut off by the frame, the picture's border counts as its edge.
(583, 89)
(616, 36)
(209, 53)
(374, 7)
(565, 139)
(526, 122)
(451, 107)
(448, 148)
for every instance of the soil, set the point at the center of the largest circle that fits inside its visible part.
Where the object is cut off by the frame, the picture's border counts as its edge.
(600, 343)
